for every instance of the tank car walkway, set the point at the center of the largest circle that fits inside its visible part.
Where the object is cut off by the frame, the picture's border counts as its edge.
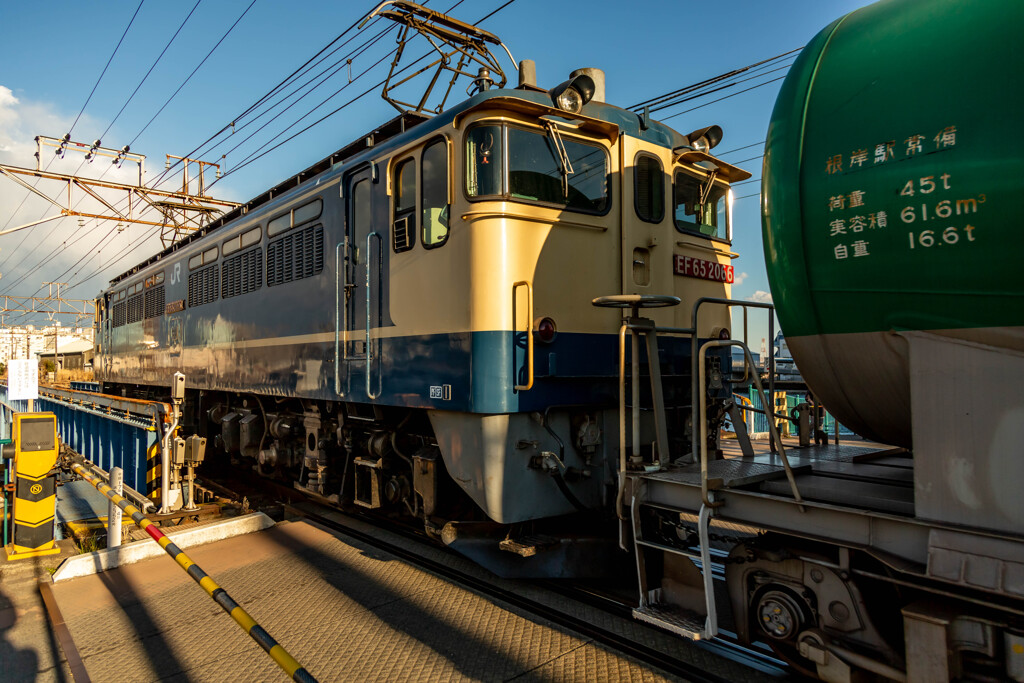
(345, 610)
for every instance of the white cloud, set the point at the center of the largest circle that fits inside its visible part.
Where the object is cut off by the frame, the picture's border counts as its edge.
(761, 297)
(738, 280)
(59, 243)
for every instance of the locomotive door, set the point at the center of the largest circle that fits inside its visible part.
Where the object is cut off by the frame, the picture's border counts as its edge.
(647, 233)
(358, 290)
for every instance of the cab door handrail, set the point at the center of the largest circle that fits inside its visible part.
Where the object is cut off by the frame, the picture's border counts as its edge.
(529, 334)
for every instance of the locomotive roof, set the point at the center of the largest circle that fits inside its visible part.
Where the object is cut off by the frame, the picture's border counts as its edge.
(407, 126)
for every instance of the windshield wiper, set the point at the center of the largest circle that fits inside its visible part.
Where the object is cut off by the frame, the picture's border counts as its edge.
(562, 157)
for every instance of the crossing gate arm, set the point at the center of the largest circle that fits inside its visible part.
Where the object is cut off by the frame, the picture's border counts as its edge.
(284, 660)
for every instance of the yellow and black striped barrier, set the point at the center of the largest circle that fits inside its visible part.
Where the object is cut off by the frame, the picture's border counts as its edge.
(219, 595)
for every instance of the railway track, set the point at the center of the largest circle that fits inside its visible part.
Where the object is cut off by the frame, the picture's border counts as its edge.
(570, 606)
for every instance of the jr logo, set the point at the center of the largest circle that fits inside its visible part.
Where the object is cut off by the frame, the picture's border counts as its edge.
(176, 274)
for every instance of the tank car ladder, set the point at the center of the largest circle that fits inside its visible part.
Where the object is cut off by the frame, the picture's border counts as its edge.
(653, 608)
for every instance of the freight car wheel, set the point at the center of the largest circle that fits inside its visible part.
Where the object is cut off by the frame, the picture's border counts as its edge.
(780, 616)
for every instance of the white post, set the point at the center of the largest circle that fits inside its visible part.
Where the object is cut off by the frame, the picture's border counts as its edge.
(114, 512)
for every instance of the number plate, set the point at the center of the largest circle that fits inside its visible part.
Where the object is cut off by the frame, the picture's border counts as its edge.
(687, 266)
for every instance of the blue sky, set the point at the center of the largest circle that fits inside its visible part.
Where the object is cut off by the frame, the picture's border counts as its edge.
(55, 51)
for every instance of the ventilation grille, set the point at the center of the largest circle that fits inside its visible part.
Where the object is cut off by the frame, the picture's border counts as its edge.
(154, 302)
(119, 316)
(202, 286)
(241, 274)
(401, 236)
(135, 309)
(299, 255)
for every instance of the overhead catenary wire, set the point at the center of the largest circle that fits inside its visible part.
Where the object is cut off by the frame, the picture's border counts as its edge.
(150, 71)
(107, 66)
(114, 120)
(737, 149)
(112, 233)
(720, 99)
(265, 150)
(47, 259)
(309, 86)
(270, 93)
(308, 66)
(709, 81)
(189, 77)
(79, 116)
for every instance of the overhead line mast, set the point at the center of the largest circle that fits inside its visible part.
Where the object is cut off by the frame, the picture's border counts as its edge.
(181, 211)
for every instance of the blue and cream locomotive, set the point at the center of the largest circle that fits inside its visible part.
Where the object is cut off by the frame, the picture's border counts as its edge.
(408, 323)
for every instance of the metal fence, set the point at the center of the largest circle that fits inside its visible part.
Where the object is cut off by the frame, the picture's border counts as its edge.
(108, 430)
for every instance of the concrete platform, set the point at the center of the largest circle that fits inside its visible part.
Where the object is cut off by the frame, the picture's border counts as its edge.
(346, 611)
(29, 650)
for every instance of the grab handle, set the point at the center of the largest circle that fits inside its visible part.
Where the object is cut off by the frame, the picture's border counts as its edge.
(529, 334)
(340, 284)
(380, 270)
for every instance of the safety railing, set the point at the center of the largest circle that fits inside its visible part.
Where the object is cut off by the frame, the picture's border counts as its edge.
(111, 431)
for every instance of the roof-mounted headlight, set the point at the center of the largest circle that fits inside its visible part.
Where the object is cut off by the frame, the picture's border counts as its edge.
(571, 95)
(703, 139)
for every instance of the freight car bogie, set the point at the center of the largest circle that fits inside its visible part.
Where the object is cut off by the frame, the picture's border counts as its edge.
(839, 613)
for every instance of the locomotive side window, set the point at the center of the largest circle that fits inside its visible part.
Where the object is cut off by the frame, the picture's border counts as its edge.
(699, 207)
(483, 161)
(648, 189)
(206, 257)
(241, 241)
(435, 194)
(279, 224)
(361, 203)
(404, 229)
(307, 212)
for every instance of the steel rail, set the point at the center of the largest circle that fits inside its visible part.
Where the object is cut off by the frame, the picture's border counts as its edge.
(287, 663)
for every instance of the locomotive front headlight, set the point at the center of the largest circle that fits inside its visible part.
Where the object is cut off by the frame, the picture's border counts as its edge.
(570, 100)
(571, 95)
(703, 139)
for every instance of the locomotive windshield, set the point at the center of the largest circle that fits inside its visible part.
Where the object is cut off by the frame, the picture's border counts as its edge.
(534, 168)
(700, 206)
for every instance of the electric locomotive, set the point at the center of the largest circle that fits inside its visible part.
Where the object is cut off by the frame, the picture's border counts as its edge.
(408, 324)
